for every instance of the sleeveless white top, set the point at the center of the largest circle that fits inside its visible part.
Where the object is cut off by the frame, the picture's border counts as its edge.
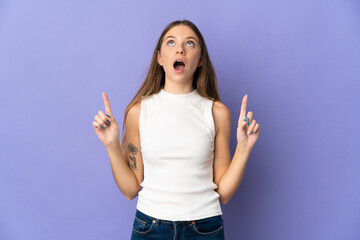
(177, 145)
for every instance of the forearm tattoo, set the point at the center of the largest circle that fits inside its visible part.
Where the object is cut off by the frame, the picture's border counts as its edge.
(132, 150)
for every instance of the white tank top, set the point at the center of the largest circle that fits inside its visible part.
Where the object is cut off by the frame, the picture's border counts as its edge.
(177, 145)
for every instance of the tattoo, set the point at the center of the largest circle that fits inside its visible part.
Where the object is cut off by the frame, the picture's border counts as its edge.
(133, 150)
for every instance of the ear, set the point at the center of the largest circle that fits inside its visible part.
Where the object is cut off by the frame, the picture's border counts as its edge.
(159, 58)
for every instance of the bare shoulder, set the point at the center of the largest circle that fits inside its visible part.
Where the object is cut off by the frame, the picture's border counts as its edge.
(222, 115)
(132, 117)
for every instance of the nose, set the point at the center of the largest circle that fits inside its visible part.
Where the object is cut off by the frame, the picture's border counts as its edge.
(180, 50)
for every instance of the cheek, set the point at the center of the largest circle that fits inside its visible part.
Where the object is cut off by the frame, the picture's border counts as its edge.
(196, 60)
(197, 55)
(165, 57)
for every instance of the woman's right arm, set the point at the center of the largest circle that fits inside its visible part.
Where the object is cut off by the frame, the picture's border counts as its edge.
(128, 168)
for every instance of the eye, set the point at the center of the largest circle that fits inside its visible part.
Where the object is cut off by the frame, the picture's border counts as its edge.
(169, 42)
(191, 43)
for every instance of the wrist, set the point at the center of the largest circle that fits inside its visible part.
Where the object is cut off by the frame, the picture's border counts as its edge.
(113, 145)
(243, 148)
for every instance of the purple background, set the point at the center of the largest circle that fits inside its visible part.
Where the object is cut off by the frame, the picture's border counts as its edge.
(298, 61)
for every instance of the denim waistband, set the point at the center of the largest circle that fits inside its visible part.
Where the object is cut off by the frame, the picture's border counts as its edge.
(141, 214)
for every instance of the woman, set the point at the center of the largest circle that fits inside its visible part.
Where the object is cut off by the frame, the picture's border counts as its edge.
(183, 170)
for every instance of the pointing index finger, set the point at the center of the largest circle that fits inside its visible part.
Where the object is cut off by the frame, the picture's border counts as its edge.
(243, 107)
(107, 104)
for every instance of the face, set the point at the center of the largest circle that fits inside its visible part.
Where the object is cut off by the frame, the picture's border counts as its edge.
(180, 42)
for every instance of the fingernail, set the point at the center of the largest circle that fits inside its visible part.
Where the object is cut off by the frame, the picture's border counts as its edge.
(107, 115)
(251, 133)
(248, 123)
(101, 127)
(245, 119)
(107, 122)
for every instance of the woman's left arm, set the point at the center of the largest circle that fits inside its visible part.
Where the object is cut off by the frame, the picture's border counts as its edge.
(228, 176)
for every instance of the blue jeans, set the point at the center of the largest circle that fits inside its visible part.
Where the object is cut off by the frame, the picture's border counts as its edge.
(147, 227)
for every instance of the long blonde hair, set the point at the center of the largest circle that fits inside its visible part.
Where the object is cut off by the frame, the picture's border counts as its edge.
(204, 78)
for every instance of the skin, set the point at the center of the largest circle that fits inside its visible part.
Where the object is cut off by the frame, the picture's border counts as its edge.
(183, 44)
(227, 174)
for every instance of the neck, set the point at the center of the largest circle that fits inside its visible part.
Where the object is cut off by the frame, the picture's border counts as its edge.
(178, 87)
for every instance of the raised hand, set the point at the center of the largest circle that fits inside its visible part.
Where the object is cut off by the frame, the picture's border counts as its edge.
(248, 130)
(105, 125)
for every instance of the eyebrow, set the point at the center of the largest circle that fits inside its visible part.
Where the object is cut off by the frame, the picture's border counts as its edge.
(185, 38)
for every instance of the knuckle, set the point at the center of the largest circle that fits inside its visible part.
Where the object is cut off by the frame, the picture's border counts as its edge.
(98, 118)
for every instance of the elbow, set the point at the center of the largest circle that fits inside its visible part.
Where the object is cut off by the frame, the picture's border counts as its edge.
(224, 200)
(132, 196)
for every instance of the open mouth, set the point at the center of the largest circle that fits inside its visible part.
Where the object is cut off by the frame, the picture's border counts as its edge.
(179, 65)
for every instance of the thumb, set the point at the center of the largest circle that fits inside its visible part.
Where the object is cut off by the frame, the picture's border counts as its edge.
(107, 104)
